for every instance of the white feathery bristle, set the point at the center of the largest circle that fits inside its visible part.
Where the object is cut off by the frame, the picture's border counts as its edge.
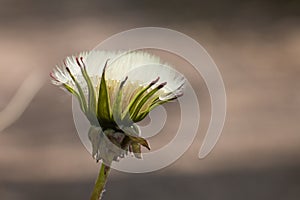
(140, 67)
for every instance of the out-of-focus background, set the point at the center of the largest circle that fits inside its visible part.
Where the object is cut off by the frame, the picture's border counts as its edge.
(256, 45)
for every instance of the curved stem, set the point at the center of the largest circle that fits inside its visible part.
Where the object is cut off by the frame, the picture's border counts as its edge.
(100, 182)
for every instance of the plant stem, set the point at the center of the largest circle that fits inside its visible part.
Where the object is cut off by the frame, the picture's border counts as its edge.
(100, 182)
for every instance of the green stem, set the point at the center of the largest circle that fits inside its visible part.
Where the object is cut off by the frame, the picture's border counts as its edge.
(100, 182)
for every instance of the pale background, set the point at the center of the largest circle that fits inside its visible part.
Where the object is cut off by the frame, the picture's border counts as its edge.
(256, 45)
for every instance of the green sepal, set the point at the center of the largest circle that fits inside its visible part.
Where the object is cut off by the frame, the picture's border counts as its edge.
(117, 107)
(154, 104)
(81, 94)
(104, 113)
(136, 150)
(72, 91)
(133, 133)
(92, 106)
(134, 115)
(135, 100)
(125, 143)
(140, 141)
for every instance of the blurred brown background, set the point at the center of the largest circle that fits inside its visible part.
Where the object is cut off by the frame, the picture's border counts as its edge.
(256, 45)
